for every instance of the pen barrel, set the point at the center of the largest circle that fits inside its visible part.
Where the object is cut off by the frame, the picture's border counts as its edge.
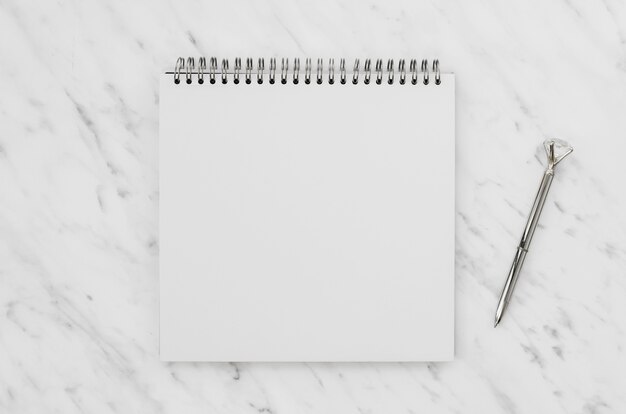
(535, 212)
(522, 249)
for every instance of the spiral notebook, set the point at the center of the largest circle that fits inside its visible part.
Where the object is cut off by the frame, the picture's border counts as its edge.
(306, 210)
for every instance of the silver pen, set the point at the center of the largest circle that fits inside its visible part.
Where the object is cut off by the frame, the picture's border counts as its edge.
(522, 249)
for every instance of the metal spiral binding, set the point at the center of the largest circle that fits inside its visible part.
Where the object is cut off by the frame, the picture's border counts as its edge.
(189, 69)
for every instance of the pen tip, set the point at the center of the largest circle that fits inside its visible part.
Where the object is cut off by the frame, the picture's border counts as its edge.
(496, 322)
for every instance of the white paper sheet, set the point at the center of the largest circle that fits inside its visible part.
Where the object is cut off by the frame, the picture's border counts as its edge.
(307, 222)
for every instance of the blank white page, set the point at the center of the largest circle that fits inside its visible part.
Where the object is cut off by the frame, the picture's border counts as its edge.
(306, 222)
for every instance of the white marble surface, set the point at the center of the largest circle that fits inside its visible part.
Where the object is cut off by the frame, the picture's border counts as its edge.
(79, 202)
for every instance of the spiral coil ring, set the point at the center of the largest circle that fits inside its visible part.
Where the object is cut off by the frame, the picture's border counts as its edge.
(320, 71)
(342, 71)
(436, 72)
(261, 68)
(284, 68)
(248, 71)
(180, 65)
(188, 67)
(191, 65)
(379, 71)
(368, 71)
(272, 70)
(425, 71)
(296, 71)
(201, 69)
(307, 71)
(237, 71)
(224, 70)
(213, 69)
